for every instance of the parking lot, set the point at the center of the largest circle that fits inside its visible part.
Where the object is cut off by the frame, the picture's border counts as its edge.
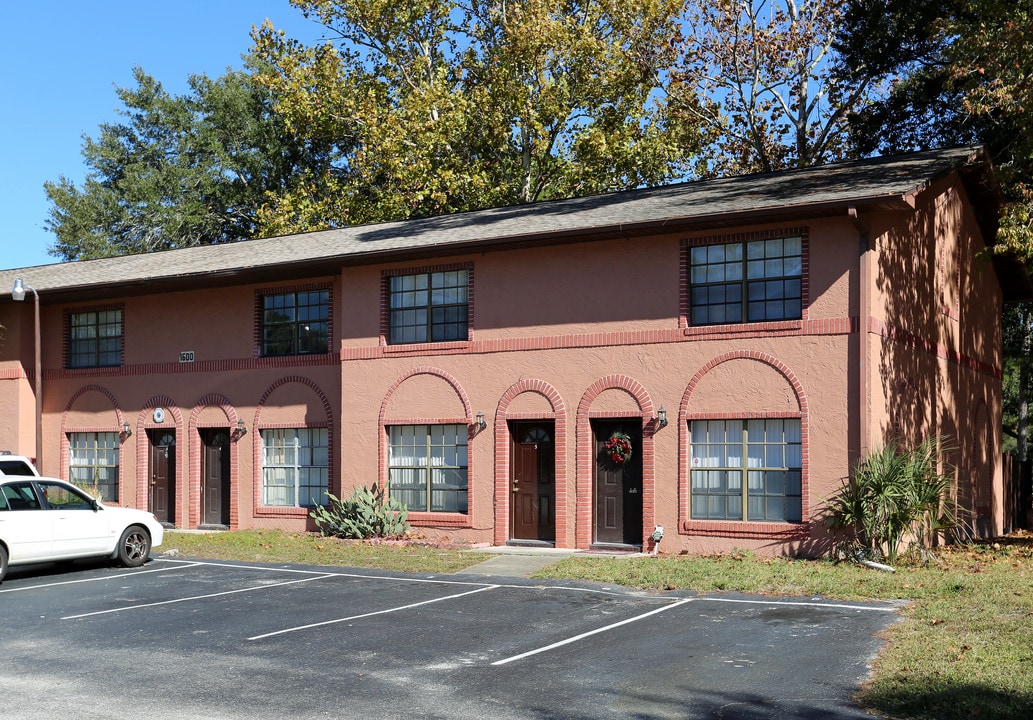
(189, 639)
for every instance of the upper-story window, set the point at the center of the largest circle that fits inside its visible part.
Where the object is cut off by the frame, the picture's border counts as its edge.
(296, 323)
(95, 339)
(753, 281)
(429, 307)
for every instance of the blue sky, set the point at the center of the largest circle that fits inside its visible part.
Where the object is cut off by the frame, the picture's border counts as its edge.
(60, 62)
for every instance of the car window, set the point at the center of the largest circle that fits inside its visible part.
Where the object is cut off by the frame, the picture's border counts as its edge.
(21, 496)
(62, 497)
(15, 467)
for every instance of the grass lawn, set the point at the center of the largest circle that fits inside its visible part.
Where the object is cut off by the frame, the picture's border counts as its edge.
(963, 650)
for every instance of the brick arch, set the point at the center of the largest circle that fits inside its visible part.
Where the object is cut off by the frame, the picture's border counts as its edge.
(429, 519)
(730, 528)
(144, 422)
(195, 489)
(260, 510)
(558, 415)
(120, 419)
(427, 370)
(586, 456)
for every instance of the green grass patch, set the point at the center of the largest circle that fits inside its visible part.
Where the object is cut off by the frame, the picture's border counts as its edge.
(276, 546)
(963, 650)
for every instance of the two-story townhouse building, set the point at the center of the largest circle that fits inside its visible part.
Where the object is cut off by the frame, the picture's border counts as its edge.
(710, 357)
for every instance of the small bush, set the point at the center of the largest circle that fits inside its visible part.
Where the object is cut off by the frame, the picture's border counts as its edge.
(896, 495)
(365, 514)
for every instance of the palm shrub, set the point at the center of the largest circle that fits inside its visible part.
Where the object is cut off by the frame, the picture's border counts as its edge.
(896, 495)
(365, 514)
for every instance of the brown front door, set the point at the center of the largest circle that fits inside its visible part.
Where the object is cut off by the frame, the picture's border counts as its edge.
(618, 486)
(533, 500)
(162, 497)
(215, 480)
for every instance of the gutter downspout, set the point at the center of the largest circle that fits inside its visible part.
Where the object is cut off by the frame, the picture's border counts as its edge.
(864, 314)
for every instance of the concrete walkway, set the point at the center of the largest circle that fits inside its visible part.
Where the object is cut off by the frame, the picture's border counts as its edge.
(518, 561)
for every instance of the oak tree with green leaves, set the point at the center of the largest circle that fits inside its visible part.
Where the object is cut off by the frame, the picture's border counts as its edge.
(773, 95)
(452, 105)
(180, 170)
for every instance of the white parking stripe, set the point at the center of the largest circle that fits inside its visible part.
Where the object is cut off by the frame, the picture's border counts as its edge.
(582, 636)
(196, 597)
(371, 614)
(839, 606)
(98, 579)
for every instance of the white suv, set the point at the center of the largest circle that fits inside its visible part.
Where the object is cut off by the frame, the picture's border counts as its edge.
(16, 465)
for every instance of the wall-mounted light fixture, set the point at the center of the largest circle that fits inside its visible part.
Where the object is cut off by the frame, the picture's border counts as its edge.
(241, 428)
(126, 430)
(18, 295)
(661, 418)
(481, 422)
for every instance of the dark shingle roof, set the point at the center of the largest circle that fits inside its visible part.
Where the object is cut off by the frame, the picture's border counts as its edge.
(807, 192)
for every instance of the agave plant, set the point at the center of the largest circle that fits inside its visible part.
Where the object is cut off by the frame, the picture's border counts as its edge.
(897, 495)
(367, 513)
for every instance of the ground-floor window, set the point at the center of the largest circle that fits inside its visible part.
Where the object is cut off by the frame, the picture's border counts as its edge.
(746, 470)
(427, 467)
(295, 466)
(93, 462)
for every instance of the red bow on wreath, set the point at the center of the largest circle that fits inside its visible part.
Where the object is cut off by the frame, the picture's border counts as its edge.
(619, 447)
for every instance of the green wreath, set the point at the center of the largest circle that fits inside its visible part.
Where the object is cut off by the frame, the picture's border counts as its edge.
(619, 447)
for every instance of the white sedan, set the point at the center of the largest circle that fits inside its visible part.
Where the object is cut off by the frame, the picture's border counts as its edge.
(45, 520)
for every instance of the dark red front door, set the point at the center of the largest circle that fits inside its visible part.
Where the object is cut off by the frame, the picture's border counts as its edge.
(533, 496)
(215, 481)
(618, 487)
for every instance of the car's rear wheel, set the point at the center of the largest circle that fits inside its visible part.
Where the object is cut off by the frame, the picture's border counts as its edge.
(134, 547)
(3, 562)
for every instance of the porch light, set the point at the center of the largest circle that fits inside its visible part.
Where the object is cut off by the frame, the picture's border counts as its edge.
(126, 430)
(481, 422)
(661, 418)
(241, 428)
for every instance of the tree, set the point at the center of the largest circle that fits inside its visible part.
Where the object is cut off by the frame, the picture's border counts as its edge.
(774, 96)
(452, 105)
(180, 170)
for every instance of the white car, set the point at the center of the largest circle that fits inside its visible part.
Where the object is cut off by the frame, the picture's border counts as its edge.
(46, 520)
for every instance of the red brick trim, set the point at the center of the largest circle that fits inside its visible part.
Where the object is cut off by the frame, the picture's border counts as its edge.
(385, 309)
(258, 509)
(120, 418)
(501, 433)
(66, 336)
(584, 523)
(431, 519)
(195, 484)
(283, 290)
(787, 328)
(941, 351)
(778, 531)
(743, 237)
(145, 422)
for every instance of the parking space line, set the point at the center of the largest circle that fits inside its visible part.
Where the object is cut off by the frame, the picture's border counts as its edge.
(838, 606)
(98, 579)
(196, 597)
(371, 614)
(582, 636)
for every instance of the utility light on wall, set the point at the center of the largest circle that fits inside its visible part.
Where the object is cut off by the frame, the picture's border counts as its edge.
(481, 422)
(126, 430)
(18, 295)
(241, 428)
(661, 418)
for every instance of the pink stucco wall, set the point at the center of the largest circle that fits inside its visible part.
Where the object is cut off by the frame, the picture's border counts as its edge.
(567, 334)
